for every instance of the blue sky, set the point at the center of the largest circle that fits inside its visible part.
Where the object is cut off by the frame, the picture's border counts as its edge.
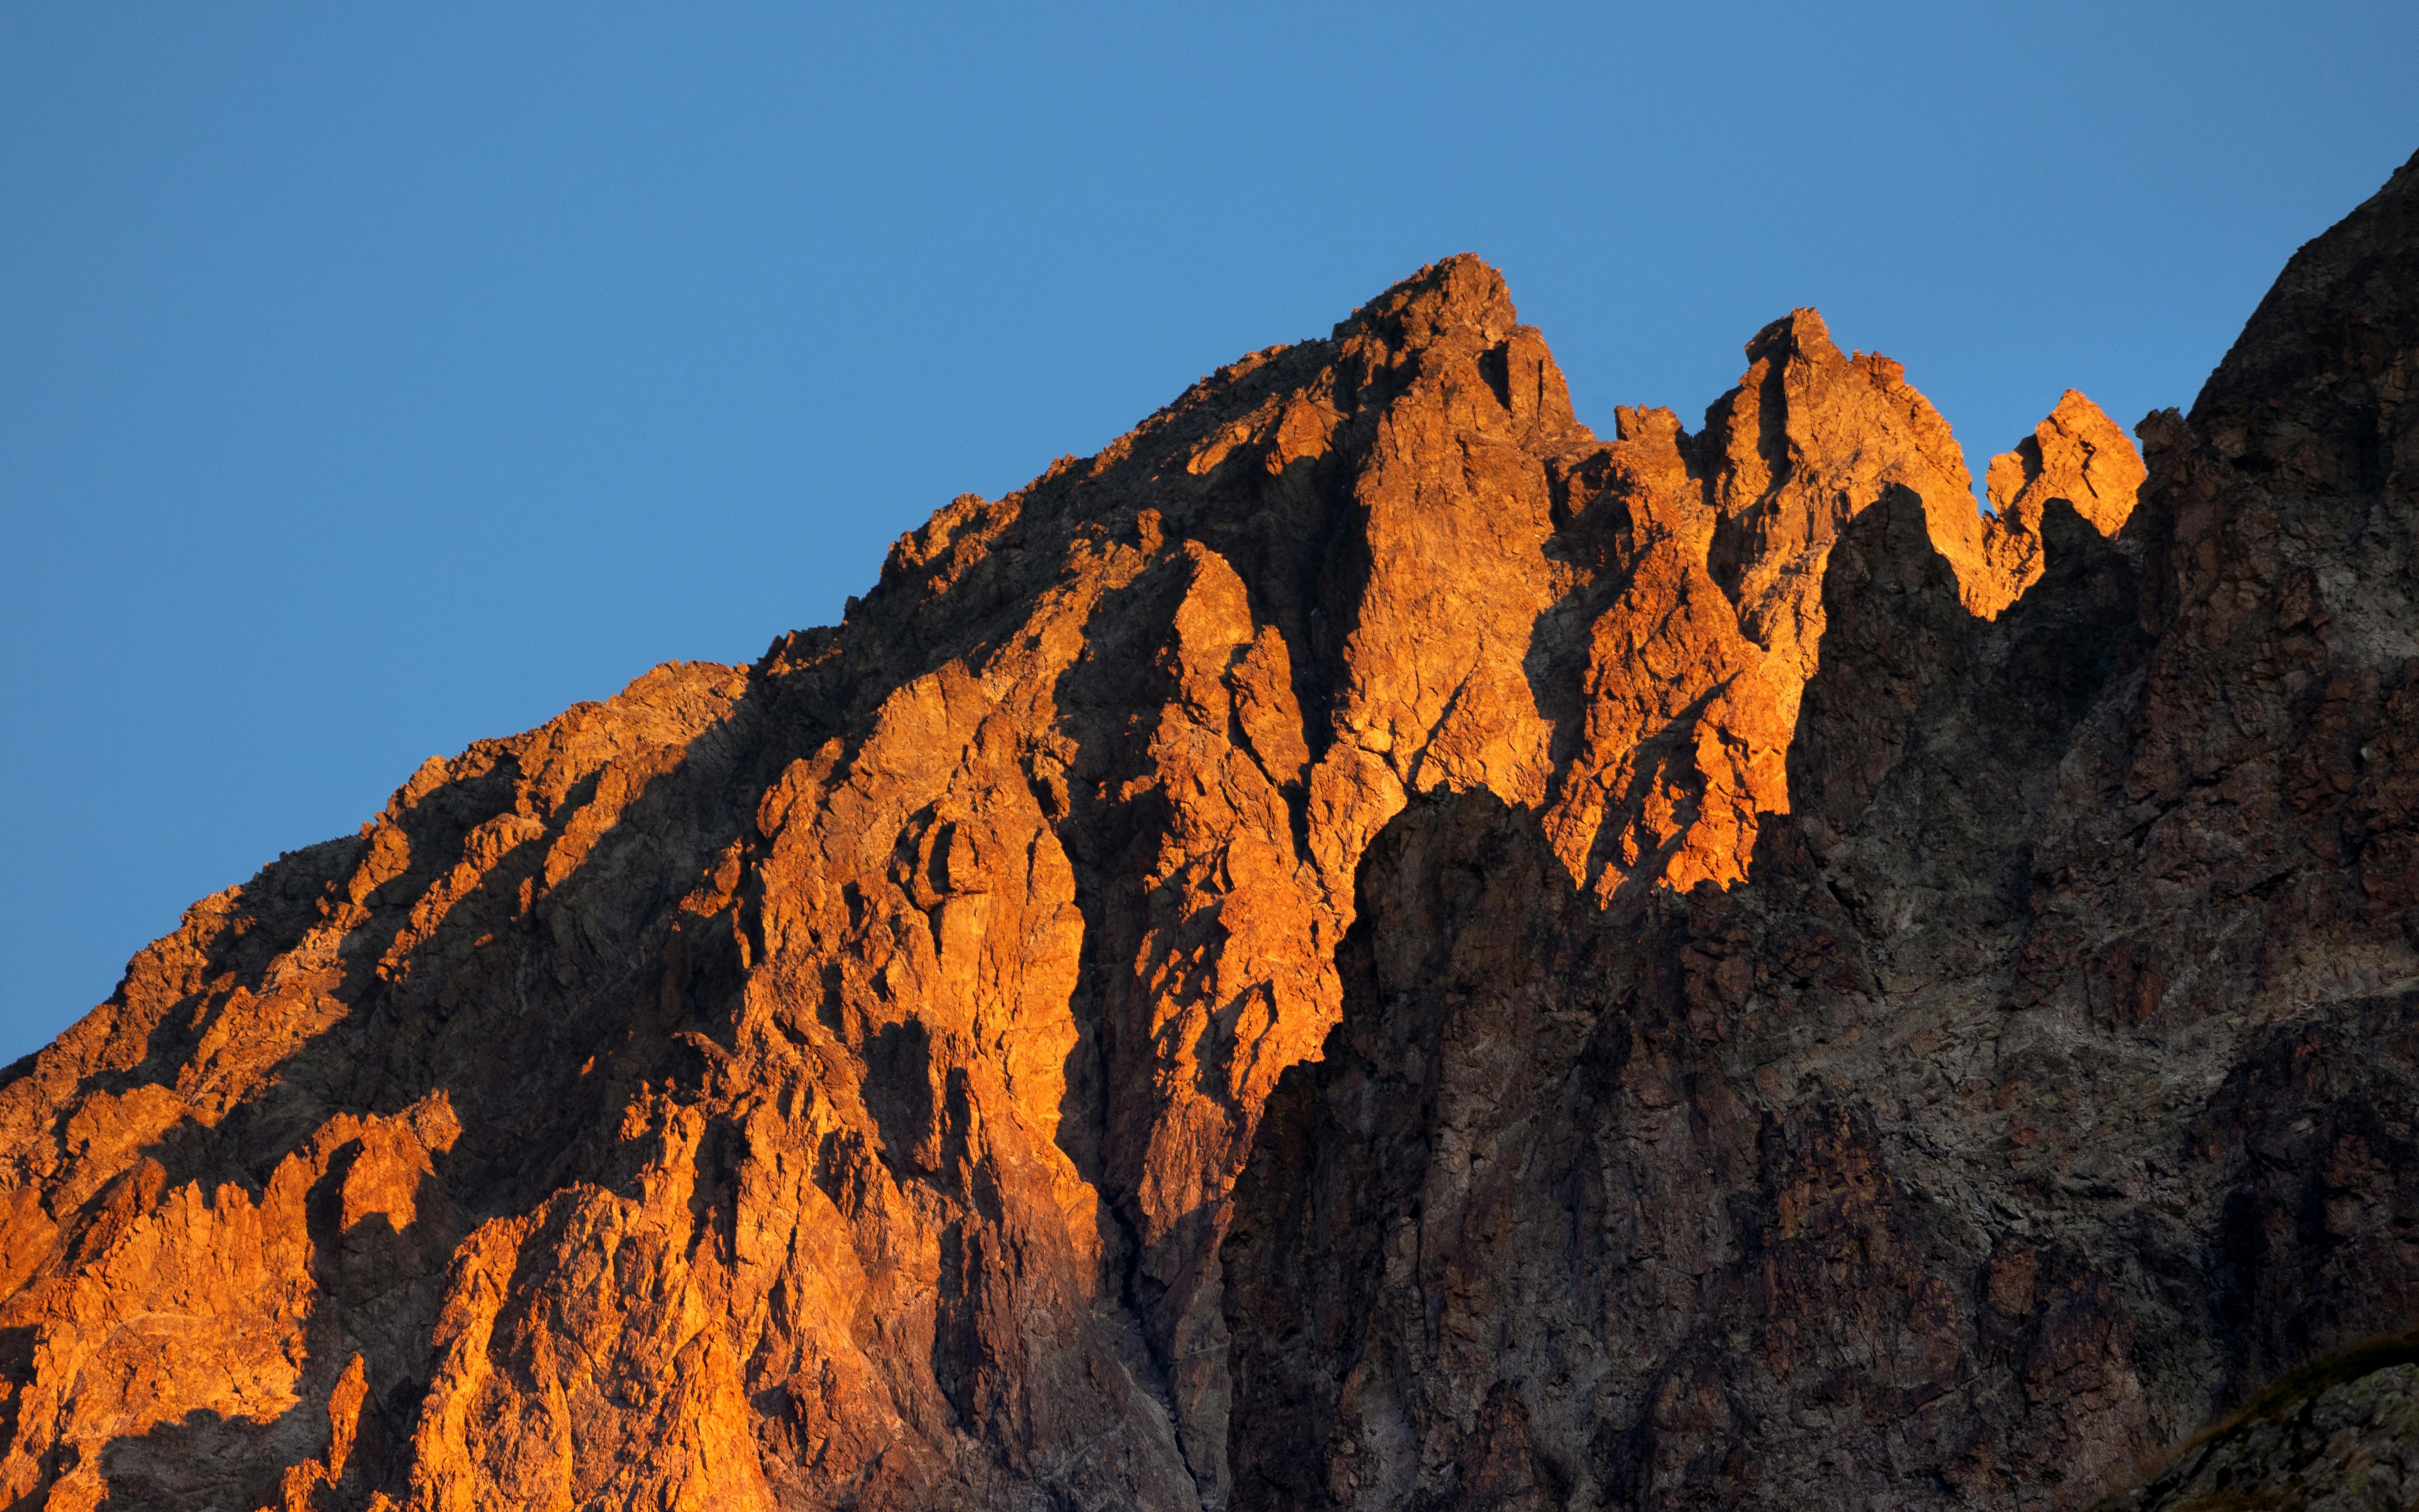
(375, 379)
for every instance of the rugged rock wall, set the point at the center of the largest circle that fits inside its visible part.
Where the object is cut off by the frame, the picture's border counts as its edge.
(1720, 973)
(2340, 1434)
(2051, 1084)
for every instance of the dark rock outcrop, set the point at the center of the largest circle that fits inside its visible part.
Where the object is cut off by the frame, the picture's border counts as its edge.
(2340, 1434)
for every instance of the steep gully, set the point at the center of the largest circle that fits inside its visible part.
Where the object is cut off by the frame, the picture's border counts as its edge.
(1362, 946)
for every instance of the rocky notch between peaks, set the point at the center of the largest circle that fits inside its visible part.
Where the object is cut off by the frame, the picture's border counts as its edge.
(1363, 947)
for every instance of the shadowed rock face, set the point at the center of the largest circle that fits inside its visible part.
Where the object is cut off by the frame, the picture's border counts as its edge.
(2050, 1085)
(1361, 946)
(2338, 1435)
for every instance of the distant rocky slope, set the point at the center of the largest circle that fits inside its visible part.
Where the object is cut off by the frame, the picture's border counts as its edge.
(1363, 947)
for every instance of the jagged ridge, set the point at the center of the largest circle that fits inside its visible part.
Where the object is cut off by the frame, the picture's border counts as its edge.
(826, 1083)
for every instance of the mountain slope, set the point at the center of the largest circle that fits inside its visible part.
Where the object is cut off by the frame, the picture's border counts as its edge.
(827, 1083)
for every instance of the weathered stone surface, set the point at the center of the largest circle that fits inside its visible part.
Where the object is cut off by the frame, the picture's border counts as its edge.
(1715, 984)
(2344, 1439)
(2077, 454)
(2050, 1083)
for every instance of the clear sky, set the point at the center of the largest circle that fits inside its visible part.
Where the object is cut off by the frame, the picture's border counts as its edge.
(378, 377)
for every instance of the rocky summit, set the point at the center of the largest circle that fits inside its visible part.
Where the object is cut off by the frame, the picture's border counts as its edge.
(1365, 947)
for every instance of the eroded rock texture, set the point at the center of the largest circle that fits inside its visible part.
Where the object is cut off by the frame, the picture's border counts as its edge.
(1361, 946)
(2340, 1435)
(2049, 1086)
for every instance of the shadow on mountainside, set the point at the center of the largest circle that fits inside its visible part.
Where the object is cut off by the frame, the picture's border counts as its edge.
(1716, 1154)
(1921, 1167)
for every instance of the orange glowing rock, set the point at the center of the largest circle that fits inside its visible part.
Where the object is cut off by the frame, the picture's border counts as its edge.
(1611, 905)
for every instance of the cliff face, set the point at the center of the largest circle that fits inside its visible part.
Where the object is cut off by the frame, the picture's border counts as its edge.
(1361, 946)
(2051, 1085)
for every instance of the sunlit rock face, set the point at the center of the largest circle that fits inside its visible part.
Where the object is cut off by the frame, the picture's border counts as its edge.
(1362, 946)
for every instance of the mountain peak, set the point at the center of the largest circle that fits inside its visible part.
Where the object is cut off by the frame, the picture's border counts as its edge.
(1363, 947)
(1802, 332)
(1459, 293)
(2076, 454)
